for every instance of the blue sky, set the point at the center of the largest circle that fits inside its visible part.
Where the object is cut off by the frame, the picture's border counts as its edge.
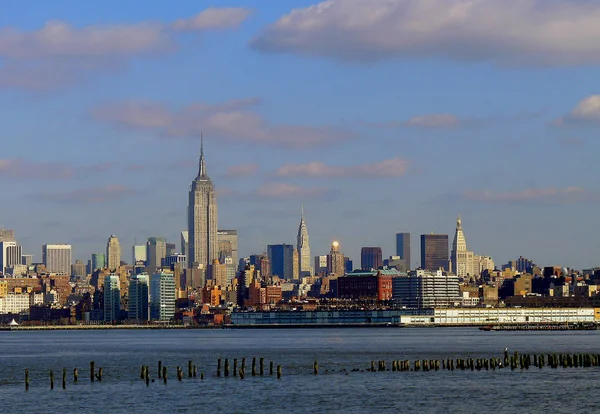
(379, 116)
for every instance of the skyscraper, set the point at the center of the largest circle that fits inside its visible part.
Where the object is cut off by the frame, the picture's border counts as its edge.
(434, 251)
(10, 255)
(461, 258)
(336, 265)
(112, 298)
(139, 288)
(303, 247)
(227, 242)
(98, 261)
(184, 242)
(139, 254)
(282, 260)
(113, 252)
(162, 297)
(403, 247)
(371, 258)
(320, 265)
(57, 258)
(156, 251)
(202, 218)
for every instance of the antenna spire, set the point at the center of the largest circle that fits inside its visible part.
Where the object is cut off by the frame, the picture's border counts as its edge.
(202, 167)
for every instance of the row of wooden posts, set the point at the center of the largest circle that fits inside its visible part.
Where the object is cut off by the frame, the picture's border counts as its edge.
(94, 375)
(522, 361)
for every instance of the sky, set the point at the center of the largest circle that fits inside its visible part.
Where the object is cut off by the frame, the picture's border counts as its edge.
(378, 116)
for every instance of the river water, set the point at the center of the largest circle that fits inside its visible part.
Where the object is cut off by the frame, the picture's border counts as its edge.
(122, 353)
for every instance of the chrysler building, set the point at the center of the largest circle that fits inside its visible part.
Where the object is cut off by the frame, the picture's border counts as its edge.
(303, 248)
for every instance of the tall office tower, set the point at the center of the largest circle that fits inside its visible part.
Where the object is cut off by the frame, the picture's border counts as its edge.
(184, 242)
(303, 246)
(348, 264)
(282, 260)
(295, 265)
(320, 265)
(371, 258)
(10, 255)
(98, 261)
(162, 297)
(79, 270)
(460, 257)
(262, 263)
(113, 252)
(335, 261)
(7, 235)
(57, 258)
(227, 242)
(403, 247)
(27, 259)
(156, 250)
(217, 272)
(139, 254)
(171, 249)
(112, 298)
(524, 265)
(202, 218)
(434, 251)
(139, 293)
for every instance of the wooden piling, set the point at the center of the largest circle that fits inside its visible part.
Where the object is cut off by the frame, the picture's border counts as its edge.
(160, 369)
(164, 374)
(92, 371)
(372, 366)
(261, 367)
(64, 379)
(244, 364)
(278, 371)
(235, 371)
(26, 380)
(271, 368)
(179, 374)
(190, 369)
(147, 375)
(143, 372)
(316, 367)
(254, 366)
(99, 376)
(226, 367)
(75, 375)
(51, 380)
(219, 367)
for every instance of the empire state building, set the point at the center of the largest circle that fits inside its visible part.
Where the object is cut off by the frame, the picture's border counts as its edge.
(202, 218)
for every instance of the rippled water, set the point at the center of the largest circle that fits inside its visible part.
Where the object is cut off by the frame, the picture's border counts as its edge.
(122, 353)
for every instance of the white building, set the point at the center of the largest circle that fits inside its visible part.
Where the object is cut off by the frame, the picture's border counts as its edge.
(162, 297)
(304, 265)
(57, 258)
(464, 262)
(139, 254)
(425, 289)
(20, 302)
(10, 255)
(113, 252)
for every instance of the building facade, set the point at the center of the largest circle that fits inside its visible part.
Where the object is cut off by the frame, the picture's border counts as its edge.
(139, 293)
(10, 255)
(434, 251)
(227, 241)
(202, 218)
(336, 263)
(303, 246)
(156, 250)
(113, 252)
(162, 297)
(112, 298)
(139, 254)
(98, 261)
(426, 289)
(281, 257)
(371, 258)
(57, 258)
(366, 286)
(403, 247)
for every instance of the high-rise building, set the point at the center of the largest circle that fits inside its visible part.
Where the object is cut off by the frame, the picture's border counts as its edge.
(303, 246)
(403, 247)
(335, 261)
(139, 254)
(217, 272)
(112, 298)
(139, 293)
(7, 235)
(320, 265)
(162, 297)
(227, 242)
(156, 251)
(79, 270)
(27, 259)
(10, 255)
(434, 251)
(184, 242)
(98, 261)
(57, 258)
(113, 252)
(171, 249)
(460, 257)
(371, 258)
(202, 218)
(282, 260)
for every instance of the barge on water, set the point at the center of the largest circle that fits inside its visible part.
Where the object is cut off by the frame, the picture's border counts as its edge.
(542, 327)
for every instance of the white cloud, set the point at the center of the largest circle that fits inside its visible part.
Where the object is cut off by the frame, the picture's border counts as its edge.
(586, 112)
(288, 191)
(394, 167)
(232, 120)
(433, 121)
(214, 18)
(242, 170)
(58, 54)
(506, 32)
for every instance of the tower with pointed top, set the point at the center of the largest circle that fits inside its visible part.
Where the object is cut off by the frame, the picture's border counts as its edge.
(202, 218)
(460, 257)
(303, 248)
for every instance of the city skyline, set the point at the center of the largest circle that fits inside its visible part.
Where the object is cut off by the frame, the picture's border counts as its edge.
(482, 128)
